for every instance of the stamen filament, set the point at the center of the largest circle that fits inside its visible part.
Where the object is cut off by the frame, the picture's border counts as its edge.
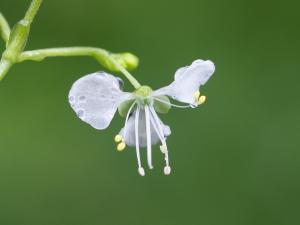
(167, 169)
(148, 134)
(171, 104)
(163, 140)
(126, 120)
(137, 145)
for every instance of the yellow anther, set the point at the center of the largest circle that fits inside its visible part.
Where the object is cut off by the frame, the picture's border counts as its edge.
(202, 99)
(121, 146)
(197, 95)
(118, 138)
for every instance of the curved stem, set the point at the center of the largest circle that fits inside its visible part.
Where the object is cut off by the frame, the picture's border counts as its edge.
(41, 54)
(4, 28)
(18, 38)
(101, 55)
(131, 78)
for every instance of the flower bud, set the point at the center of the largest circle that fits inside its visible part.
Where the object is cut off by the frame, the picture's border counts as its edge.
(127, 60)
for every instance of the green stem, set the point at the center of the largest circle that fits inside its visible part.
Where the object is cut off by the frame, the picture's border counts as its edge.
(16, 41)
(131, 78)
(102, 56)
(4, 68)
(4, 28)
(18, 38)
(32, 10)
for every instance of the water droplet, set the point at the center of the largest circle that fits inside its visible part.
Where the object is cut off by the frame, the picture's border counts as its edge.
(71, 98)
(82, 98)
(121, 83)
(80, 113)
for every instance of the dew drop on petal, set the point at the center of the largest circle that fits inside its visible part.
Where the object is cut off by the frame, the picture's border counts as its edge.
(82, 98)
(71, 98)
(80, 113)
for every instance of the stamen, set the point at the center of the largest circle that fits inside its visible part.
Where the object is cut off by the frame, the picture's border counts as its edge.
(197, 95)
(118, 138)
(199, 99)
(137, 146)
(164, 148)
(148, 134)
(167, 170)
(141, 171)
(121, 146)
(171, 104)
(202, 99)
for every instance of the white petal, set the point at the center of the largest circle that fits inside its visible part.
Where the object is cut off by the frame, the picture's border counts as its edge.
(96, 97)
(187, 81)
(130, 131)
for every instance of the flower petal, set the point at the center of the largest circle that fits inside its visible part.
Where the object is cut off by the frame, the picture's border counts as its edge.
(187, 81)
(96, 97)
(130, 131)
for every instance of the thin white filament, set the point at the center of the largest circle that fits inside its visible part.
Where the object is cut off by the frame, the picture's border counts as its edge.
(136, 129)
(160, 129)
(126, 120)
(155, 128)
(148, 135)
(171, 104)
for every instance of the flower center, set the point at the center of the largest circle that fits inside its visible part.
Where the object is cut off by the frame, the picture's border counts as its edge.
(143, 92)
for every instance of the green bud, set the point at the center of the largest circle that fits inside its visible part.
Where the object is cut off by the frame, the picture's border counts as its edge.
(129, 60)
(126, 60)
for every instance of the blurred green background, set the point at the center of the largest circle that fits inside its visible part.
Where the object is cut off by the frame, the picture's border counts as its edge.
(235, 161)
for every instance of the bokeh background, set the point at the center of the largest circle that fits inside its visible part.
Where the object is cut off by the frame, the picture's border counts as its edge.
(235, 161)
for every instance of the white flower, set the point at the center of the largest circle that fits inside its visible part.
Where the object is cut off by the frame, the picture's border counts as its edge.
(96, 97)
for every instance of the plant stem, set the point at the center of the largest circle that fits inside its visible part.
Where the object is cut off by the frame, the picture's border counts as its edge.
(4, 28)
(4, 68)
(131, 78)
(32, 10)
(101, 55)
(17, 38)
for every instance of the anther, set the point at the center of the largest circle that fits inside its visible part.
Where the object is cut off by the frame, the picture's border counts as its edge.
(202, 99)
(197, 95)
(118, 138)
(141, 171)
(121, 146)
(167, 170)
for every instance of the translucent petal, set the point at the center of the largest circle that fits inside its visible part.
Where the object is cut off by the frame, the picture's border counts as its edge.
(187, 81)
(96, 97)
(130, 131)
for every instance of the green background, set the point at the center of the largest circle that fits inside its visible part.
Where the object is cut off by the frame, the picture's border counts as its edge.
(235, 161)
